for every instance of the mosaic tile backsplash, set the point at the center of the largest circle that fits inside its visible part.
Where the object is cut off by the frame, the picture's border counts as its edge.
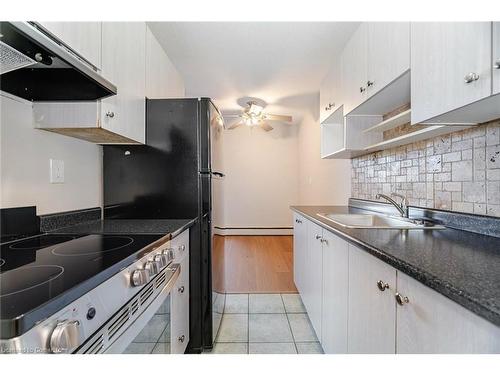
(458, 172)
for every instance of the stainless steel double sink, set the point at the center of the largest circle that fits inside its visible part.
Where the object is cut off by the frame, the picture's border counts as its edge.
(373, 221)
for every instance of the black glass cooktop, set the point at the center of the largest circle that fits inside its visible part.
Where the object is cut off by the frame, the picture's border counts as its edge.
(40, 275)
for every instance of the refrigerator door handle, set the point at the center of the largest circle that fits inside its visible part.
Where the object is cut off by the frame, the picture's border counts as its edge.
(216, 174)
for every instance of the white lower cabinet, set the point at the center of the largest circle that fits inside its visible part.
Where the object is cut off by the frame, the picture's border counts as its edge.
(299, 248)
(179, 331)
(334, 309)
(314, 275)
(372, 311)
(432, 323)
(359, 304)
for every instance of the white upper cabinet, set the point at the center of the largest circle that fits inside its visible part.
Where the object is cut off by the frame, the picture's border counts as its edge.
(329, 99)
(388, 53)
(83, 37)
(432, 323)
(124, 64)
(372, 311)
(162, 79)
(496, 57)
(354, 69)
(450, 66)
(335, 294)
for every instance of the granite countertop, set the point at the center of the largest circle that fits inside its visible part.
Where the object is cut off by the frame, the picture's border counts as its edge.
(461, 265)
(126, 226)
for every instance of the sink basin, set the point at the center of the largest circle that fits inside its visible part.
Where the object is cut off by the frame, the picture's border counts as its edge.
(375, 221)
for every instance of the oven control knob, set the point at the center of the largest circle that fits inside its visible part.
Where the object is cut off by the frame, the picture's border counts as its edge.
(182, 248)
(153, 267)
(169, 254)
(140, 277)
(161, 259)
(66, 337)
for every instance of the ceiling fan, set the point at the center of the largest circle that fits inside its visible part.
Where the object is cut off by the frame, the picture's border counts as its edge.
(253, 115)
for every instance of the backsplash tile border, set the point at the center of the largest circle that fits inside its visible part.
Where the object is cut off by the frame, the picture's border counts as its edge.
(59, 220)
(456, 172)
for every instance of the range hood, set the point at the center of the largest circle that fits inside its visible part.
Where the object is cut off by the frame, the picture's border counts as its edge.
(36, 66)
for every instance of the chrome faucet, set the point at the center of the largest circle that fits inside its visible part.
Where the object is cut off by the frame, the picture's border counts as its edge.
(402, 207)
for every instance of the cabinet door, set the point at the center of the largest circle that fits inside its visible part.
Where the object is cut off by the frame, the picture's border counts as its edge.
(162, 79)
(329, 99)
(314, 273)
(83, 37)
(432, 323)
(179, 331)
(299, 249)
(372, 312)
(496, 57)
(123, 63)
(354, 69)
(335, 294)
(388, 53)
(443, 55)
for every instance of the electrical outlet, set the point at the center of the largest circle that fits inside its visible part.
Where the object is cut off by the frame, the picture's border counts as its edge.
(56, 171)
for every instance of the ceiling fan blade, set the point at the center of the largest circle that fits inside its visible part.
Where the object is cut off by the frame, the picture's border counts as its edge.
(272, 117)
(235, 125)
(266, 126)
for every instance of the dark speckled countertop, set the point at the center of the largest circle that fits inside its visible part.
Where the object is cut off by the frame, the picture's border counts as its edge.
(463, 266)
(123, 226)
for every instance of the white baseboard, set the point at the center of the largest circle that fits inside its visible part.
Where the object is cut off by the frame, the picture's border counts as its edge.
(253, 231)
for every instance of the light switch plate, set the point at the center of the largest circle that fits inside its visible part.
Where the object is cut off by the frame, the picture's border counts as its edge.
(56, 171)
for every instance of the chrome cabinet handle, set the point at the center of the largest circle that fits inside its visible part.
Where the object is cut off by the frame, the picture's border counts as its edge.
(471, 77)
(362, 89)
(497, 64)
(401, 300)
(329, 106)
(370, 83)
(382, 286)
(182, 338)
(318, 236)
(181, 289)
(110, 114)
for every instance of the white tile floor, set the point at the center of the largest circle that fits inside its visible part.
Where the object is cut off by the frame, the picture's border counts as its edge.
(265, 324)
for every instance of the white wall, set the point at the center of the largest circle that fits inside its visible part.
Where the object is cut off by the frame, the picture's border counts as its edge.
(25, 154)
(261, 176)
(321, 181)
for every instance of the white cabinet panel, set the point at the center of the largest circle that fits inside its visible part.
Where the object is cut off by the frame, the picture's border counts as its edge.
(83, 37)
(299, 249)
(329, 93)
(354, 69)
(388, 53)
(496, 57)
(442, 55)
(432, 323)
(124, 64)
(179, 332)
(372, 312)
(335, 294)
(162, 79)
(314, 275)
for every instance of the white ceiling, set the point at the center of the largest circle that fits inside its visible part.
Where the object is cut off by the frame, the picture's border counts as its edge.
(282, 63)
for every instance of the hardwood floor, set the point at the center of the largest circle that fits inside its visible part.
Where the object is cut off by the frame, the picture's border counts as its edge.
(253, 264)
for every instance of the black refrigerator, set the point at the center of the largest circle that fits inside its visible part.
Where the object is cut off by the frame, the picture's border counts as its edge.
(176, 175)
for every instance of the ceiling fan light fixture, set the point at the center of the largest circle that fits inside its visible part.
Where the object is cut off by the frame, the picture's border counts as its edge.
(255, 109)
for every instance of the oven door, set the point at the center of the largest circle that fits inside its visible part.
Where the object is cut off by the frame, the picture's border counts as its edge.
(142, 325)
